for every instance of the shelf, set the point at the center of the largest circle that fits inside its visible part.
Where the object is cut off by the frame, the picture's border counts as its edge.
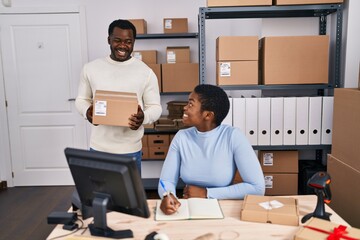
(154, 131)
(270, 11)
(277, 87)
(174, 93)
(166, 35)
(293, 147)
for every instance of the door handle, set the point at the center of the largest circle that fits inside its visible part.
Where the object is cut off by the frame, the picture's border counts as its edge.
(71, 99)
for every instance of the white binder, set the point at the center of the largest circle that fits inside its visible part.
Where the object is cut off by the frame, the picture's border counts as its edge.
(289, 120)
(229, 117)
(239, 113)
(251, 120)
(302, 121)
(276, 122)
(264, 121)
(315, 105)
(327, 119)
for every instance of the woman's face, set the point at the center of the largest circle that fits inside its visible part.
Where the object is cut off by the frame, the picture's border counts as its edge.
(193, 116)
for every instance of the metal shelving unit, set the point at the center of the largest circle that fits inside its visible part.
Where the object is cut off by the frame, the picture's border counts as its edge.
(293, 11)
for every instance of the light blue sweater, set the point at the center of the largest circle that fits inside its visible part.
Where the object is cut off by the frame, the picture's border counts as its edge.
(209, 159)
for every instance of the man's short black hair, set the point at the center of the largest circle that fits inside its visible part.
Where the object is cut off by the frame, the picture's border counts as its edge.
(215, 99)
(123, 24)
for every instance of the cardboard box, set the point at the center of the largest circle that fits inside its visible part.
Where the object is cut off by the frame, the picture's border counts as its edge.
(140, 25)
(158, 152)
(281, 184)
(345, 190)
(175, 25)
(318, 226)
(237, 48)
(158, 140)
(279, 161)
(180, 77)
(229, 3)
(176, 109)
(114, 108)
(297, 2)
(157, 70)
(275, 210)
(237, 73)
(145, 153)
(294, 60)
(149, 126)
(346, 126)
(147, 56)
(178, 54)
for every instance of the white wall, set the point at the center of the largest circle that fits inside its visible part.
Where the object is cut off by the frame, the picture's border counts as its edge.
(100, 13)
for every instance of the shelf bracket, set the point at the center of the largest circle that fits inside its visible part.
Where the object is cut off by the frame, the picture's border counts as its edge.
(323, 21)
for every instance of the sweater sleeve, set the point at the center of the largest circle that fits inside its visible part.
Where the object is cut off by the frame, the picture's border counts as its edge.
(171, 168)
(249, 168)
(151, 99)
(85, 95)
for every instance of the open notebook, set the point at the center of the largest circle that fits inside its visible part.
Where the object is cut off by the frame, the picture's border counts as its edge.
(192, 208)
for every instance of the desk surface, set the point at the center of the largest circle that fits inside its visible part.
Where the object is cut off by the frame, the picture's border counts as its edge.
(231, 227)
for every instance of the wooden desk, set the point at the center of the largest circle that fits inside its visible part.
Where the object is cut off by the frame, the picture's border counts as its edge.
(231, 227)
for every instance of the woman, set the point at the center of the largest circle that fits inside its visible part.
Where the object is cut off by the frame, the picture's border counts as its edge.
(206, 155)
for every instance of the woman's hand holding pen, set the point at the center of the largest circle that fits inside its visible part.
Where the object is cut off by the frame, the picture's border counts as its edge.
(169, 204)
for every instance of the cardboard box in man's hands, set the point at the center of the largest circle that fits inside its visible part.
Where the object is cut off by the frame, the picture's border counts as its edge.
(114, 108)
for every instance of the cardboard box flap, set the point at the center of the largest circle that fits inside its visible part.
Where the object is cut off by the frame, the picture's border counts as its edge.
(123, 96)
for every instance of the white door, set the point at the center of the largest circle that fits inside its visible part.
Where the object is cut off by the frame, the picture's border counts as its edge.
(42, 60)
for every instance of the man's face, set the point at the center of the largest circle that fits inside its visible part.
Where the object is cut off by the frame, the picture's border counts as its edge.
(121, 43)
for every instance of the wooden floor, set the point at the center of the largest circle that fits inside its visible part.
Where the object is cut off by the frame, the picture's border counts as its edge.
(24, 210)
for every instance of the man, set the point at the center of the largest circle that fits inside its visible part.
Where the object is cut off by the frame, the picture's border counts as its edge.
(123, 73)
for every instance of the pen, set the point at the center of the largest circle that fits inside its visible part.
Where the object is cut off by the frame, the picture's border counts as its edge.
(163, 185)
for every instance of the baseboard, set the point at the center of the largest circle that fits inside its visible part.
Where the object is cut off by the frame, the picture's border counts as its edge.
(3, 185)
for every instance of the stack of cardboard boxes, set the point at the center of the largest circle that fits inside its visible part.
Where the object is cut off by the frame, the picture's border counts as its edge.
(237, 60)
(178, 68)
(344, 162)
(280, 171)
(155, 146)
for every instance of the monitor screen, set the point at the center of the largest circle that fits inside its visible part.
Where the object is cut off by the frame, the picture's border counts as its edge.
(106, 181)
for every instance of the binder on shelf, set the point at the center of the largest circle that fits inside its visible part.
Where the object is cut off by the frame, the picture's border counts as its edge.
(251, 120)
(315, 104)
(327, 119)
(289, 120)
(229, 117)
(277, 121)
(302, 121)
(264, 121)
(239, 113)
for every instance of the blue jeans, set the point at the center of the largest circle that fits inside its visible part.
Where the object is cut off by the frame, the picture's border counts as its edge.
(136, 155)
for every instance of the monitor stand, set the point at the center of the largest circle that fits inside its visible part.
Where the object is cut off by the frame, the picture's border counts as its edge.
(99, 227)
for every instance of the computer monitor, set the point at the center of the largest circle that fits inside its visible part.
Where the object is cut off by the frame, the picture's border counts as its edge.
(104, 182)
